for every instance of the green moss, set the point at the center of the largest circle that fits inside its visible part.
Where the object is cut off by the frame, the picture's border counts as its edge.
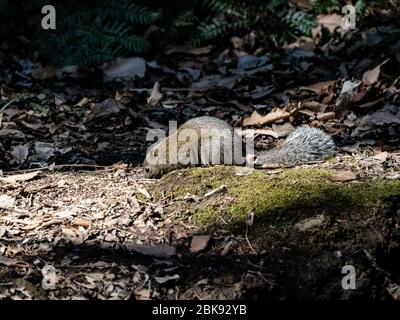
(206, 216)
(273, 198)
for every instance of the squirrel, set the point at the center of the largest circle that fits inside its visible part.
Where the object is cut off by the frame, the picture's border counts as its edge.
(304, 144)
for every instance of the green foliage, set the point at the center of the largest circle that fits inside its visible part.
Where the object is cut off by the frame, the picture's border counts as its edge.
(300, 21)
(360, 6)
(272, 17)
(327, 6)
(90, 34)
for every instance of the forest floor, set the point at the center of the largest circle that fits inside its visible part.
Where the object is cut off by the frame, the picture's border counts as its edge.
(110, 234)
(79, 221)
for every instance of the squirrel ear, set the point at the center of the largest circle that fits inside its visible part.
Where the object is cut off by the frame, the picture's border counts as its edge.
(155, 152)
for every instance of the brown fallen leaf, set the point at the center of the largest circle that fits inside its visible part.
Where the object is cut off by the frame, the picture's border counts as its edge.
(320, 87)
(326, 116)
(199, 243)
(20, 153)
(282, 131)
(20, 177)
(257, 119)
(155, 96)
(81, 222)
(266, 132)
(382, 156)
(344, 176)
(6, 202)
(106, 108)
(226, 249)
(50, 277)
(9, 262)
(330, 21)
(142, 294)
(34, 291)
(371, 76)
(166, 278)
(124, 68)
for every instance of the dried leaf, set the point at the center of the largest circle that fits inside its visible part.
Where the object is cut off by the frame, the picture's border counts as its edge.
(330, 21)
(227, 249)
(282, 130)
(6, 202)
(106, 108)
(20, 153)
(9, 262)
(371, 76)
(50, 278)
(256, 119)
(81, 222)
(266, 132)
(20, 177)
(382, 156)
(199, 243)
(125, 68)
(166, 278)
(383, 118)
(320, 87)
(155, 95)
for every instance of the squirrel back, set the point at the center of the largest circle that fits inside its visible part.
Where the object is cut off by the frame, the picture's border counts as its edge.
(304, 144)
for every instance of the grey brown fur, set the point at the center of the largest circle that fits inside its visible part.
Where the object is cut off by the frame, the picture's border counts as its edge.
(203, 124)
(304, 144)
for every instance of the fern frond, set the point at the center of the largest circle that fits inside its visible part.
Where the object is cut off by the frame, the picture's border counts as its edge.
(92, 35)
(300, 21)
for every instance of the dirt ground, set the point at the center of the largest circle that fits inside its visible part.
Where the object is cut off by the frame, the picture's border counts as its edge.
(79, 233)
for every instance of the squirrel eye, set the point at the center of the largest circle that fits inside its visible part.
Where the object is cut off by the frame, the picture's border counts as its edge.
(147, 169)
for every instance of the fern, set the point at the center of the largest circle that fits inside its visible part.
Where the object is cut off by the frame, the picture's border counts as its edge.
(300, 21)
(327, 6)
(360, 7)
(88, 35)
(224, 17)
(220, 6)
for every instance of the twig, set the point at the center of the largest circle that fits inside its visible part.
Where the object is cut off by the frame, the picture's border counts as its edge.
(60, 166)
(247, 239)
(217, 190)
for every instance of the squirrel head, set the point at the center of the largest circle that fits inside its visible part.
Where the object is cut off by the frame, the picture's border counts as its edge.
(152, 163)
(152, 171)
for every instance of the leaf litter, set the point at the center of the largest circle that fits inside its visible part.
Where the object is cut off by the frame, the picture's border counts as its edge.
(77, 222)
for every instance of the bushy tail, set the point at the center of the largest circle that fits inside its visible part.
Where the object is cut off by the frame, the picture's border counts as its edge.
(305, 144)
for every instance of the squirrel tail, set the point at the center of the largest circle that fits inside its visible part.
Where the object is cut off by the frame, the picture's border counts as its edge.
(304, 144)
